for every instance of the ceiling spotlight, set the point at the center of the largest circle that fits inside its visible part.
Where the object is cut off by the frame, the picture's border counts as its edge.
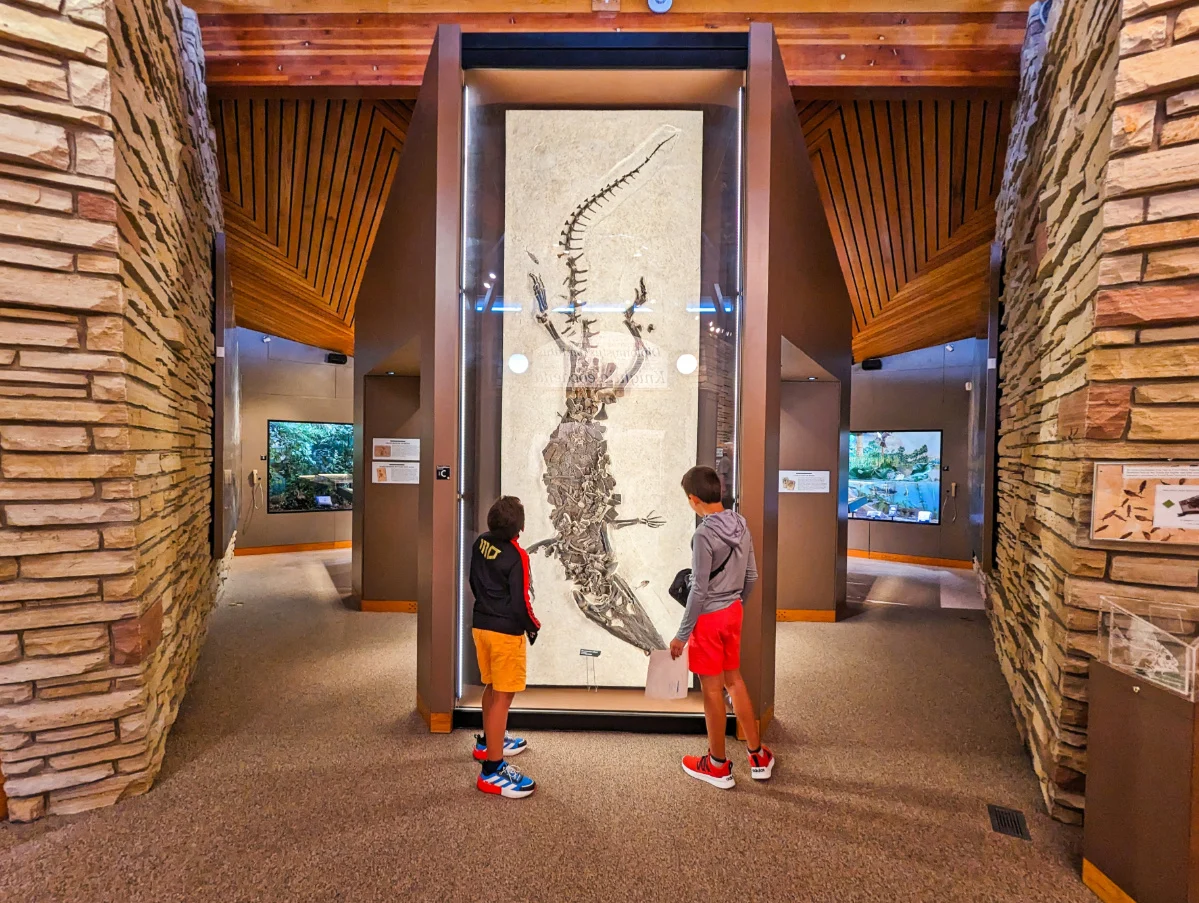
(686, 364)
(811, 379)
(391, 373)
(266, 338)
(486, 285)
(949, 348)
(491, 275)
(518, 363)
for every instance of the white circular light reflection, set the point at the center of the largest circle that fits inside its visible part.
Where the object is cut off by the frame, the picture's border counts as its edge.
(518, 363)
(686, 364)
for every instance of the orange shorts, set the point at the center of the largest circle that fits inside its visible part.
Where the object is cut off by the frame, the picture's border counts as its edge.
(715, 643)
(501, 659)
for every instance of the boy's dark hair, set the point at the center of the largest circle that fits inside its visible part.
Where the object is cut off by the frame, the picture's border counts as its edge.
(506, 518)
(702, 482)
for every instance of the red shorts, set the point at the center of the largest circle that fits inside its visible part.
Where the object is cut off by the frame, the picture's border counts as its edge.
(715, 644)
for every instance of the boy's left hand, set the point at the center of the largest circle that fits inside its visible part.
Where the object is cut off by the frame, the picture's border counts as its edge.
(676, 648)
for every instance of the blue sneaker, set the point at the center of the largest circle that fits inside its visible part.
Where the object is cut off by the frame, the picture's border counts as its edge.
(507, 782)
(513, 746)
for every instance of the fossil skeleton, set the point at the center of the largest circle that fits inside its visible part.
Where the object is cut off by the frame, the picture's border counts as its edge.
(578, 480)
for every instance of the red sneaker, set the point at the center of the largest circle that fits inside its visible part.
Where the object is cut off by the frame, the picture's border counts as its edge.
(761, 764)
(701, 767)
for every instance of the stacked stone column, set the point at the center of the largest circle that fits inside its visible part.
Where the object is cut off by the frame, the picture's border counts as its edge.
(108, 206)
(1099, 347)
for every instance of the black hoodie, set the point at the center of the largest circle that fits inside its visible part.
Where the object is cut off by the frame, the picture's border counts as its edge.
(499, 578)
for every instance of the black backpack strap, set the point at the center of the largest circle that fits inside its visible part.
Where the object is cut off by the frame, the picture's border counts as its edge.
(716, 573)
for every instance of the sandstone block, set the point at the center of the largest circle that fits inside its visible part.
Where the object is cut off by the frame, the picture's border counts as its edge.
(1173, 232)
(1168, 393)
(1157, 571)
(43, 438)
(16, 490)
(37, 142)
(1132, 9)
(1171, 334)
(73, 732)
(1118, 268)
(1123, 212)
(135, 639)
(1180, 131)
(10, 647)
(55, 666)
(97, 795)
(66, 640)
(78, 564)
(15, 693)
(1148, 362)
(1174, 204)
(66, 466)
(1143, 35)
(100, 207)
(62, 230)
(105, 334)
(41, 749)
(1158, 71)
(28, 809)
(16, 332)
(7, 356)
(87, 262)
(56, 35)
(11, 741)
(90, 86)
(42, 542)
(30, 194)
(80, 513)
(1182, 103)
(1114, 337)
(68, 291)
(1187, 24)
(88, 688)
(91, 11)
(1164, 425)
(135, 726)
(1172, 167)
(1146, 305)
(1172, 263)
(45, 715)
(99, 754)
(1132, 125)
(54, 360)
(27, 255)
(95, 155)
(56, 780)
(35, 76)
(1094, 412)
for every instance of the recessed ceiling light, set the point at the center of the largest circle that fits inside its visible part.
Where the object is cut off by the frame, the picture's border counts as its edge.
(518, 363)
(686, 364)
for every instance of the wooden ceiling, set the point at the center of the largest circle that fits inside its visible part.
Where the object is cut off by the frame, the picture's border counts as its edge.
(303, 185)
(825, 43)
(909, 189)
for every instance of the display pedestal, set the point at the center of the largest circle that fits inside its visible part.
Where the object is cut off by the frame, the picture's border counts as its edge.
(1141, 830)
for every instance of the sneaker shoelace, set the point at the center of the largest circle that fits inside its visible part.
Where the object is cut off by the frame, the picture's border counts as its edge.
(512, 774)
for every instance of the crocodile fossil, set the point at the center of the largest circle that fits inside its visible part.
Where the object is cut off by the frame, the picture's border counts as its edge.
(578, 479)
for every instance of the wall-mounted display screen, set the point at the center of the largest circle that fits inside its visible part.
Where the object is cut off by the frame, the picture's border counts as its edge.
(895, 476)
(309, 466)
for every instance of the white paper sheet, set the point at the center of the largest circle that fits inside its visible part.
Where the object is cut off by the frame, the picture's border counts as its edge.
(667, 678)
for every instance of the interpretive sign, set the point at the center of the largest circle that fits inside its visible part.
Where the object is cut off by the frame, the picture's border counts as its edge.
(1146, 503)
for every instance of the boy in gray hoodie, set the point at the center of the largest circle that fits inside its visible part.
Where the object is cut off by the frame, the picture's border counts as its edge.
(723, 572)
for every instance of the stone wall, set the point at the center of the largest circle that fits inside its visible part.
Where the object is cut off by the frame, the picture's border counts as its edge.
(108, 206)
(1099, 348)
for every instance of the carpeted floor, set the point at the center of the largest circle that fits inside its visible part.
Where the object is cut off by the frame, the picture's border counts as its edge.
(298, 772)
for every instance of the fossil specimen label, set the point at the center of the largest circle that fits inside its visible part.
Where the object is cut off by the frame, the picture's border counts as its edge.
(601, 295)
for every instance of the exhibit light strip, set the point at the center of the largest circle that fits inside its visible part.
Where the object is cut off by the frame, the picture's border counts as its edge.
(739, 294)
(463, 308)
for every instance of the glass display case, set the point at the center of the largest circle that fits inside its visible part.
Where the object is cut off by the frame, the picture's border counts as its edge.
(1153, 641)
(599, 354)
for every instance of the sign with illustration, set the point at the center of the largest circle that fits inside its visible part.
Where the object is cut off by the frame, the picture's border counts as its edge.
(395, 449)
(803, 481)
(1146, 503)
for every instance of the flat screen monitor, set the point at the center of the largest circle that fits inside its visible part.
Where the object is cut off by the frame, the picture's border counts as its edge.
(895, 476)
(309, 466)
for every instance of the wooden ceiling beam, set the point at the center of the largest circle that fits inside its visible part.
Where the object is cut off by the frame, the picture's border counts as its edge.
(855, 44)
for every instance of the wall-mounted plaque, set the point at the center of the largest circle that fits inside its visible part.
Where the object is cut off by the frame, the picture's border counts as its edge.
(803, 481)
(1146, 503)
(402, 472)
(395, 449)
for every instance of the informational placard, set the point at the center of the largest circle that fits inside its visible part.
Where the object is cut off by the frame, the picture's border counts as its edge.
(1146, 503)
(803, 481)
(402, 472)
(395, 449)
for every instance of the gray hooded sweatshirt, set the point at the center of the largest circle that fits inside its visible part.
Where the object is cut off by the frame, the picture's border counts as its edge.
(717, 535)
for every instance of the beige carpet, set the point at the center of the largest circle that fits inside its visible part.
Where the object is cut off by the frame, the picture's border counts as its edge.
(299, 772)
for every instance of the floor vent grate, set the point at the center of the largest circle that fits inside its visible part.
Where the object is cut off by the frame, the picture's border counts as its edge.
(1008, 821)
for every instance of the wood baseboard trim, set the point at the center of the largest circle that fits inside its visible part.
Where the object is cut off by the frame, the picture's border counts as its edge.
(436, 722)
(763, 723)
(388, 605)
(297, 547)
(1102, 886)
(913, 559)
(822, 615)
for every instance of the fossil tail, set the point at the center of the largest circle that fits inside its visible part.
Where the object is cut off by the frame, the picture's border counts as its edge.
(620, 183)
(624, 617)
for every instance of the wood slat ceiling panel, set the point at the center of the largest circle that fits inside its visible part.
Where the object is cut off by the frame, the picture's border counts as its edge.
(909, 189)
(303, 184)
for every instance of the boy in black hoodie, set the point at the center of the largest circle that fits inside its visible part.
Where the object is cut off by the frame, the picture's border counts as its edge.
(503, 618)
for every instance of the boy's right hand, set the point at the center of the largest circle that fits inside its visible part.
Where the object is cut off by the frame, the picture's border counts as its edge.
(532, 635)
(676, 648)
